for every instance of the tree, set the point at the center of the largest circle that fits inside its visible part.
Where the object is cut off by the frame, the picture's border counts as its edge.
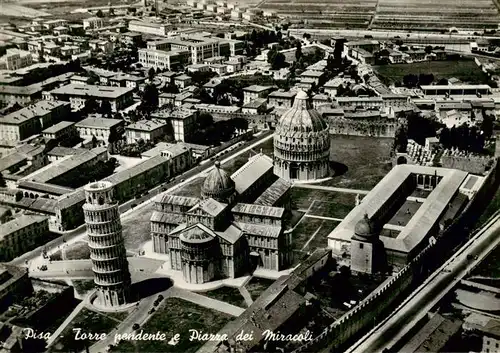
(306, 36)
(151, 73)
(276, 59)
(2, 181)
(94, 141)
(91, 106)
(150, 98)
(105, 108)
(428, 49)
(93, 78)
(400, 140)
(111, 12)
(298, 51)
(99, 14)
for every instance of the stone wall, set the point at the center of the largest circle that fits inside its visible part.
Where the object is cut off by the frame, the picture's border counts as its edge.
(475, 165)
(393, 291)
(261, 121)
(378, 128)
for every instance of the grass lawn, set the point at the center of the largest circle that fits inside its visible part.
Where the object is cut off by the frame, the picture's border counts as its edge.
(360, 162)
(137, 229)
(237, 162)
(464, 70)
(324, 203)
(78, 251)
(256, 286)
(227, 294)
(177, 316)
(304, 231)
(320, 240)
(90, 322)
(83, 286)
(191, 189)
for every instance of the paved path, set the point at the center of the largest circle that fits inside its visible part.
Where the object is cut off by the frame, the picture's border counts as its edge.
(244, 293)
(312, 236)
(331, 188)
(397, 325)
(66, 322)
(325, 218)
(480, 286)
(207, 302)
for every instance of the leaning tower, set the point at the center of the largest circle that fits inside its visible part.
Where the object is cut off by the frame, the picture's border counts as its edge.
(107, 250)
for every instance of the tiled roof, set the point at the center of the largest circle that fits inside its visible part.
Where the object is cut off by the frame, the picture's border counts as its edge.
(252, 171)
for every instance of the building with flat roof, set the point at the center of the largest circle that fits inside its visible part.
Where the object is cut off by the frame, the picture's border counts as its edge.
(22, 234)
(157, 29)
(101, 128)
(456, 90)
(61, 131)
(256, 91)
(146, 130)
(77, 94)
(126, 80)
(405, 225)
(281, 99)
(183, 122)
(31, 120)
(165, 60)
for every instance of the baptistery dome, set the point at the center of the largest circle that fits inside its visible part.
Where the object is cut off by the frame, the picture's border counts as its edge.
(218, 185)
(301, 143)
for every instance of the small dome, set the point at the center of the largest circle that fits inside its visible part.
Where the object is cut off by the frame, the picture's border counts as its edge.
(301, 117)
(365, 228)
(218, 184)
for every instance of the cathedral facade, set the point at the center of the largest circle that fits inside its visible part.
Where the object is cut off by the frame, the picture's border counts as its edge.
(238, 224)
(301, 143)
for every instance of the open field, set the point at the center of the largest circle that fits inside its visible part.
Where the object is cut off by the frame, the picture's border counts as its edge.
(323, 203)
(388, 14)
(256, 286)
(89, 322)
(464, 70)
(191, 189)
(15, 10)
(78, 251)
(172, 317)
(320, 240)
(331, 13)
(359, 162)
(137, 229)
(432, 14)
(227, 294)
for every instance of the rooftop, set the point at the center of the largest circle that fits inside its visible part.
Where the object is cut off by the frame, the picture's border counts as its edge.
(147, 125)
(251, 171)
(58, 127)
(19, 223)
(422, 221)
(259, 210)
(100, 123)
(257, 88)
(93, 91)
(36, 110)
(273, 193)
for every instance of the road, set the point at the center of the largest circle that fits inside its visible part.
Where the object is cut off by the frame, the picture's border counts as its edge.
(331, 188)
(392, 330)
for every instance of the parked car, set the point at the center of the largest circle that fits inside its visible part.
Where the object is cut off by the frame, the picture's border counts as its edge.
(160, 297)
(152, 310)
(135, 326)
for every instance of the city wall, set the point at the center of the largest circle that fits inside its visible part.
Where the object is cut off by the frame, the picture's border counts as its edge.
(343, 126)
(262, 121)
(378, 304)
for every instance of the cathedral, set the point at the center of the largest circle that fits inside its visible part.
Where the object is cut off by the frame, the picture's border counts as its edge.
(240, 222)
(301, 143)
(237, 225)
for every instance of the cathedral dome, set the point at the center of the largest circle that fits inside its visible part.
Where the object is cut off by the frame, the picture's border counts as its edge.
(301, 118)
(365, 228)
(218, 184)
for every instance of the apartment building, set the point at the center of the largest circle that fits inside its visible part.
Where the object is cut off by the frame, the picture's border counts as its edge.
(101, 128)
(146, 130)
(77, 94)
(93, 23)
(22, 234)
(183, 122)
(165, 60)
(157, 29)
(31, 120)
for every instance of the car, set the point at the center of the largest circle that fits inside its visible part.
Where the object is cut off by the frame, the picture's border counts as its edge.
(152, 310)
(182, 180)
(160, 297)
(135, 326)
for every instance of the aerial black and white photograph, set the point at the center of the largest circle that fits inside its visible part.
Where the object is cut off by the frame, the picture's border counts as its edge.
(261, 176)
